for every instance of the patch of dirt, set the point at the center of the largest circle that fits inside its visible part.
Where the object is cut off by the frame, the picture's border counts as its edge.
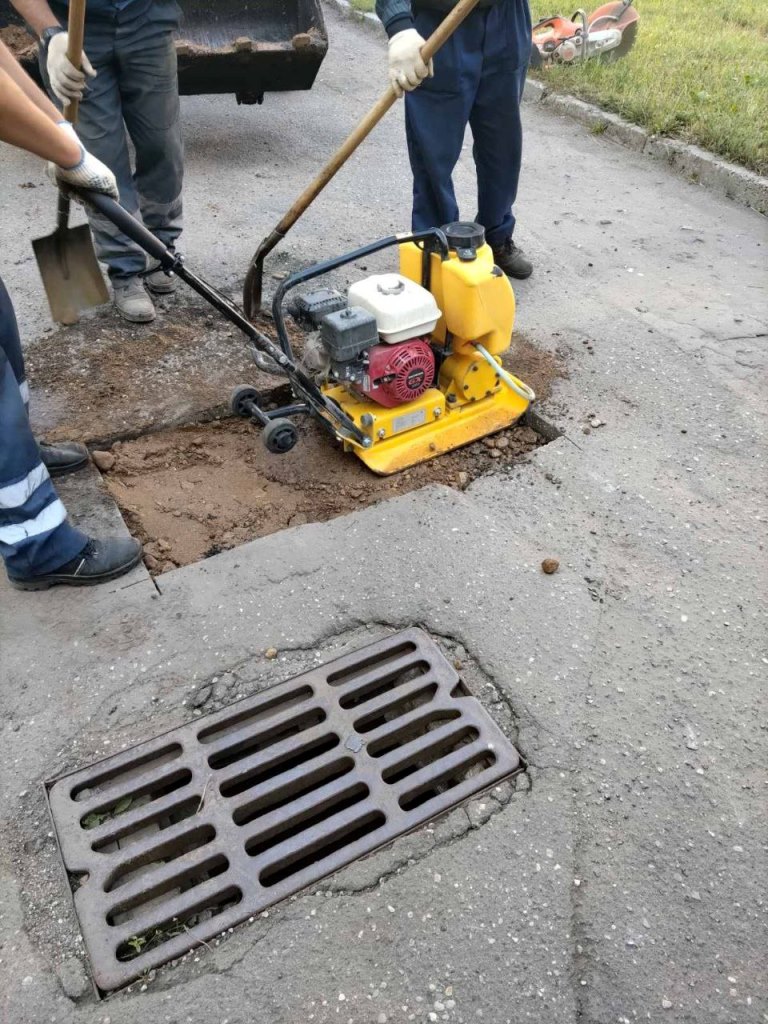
(18, 40)
(195, 491)
(192, 492)
(105, 378)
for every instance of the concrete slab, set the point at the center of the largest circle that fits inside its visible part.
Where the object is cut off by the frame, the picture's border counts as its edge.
(625, 883)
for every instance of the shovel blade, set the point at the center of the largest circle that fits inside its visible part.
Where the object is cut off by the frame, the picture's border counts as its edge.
(70, 271)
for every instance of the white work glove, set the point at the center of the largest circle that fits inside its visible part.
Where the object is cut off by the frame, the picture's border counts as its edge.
(67, 82)
(406, 68)
(88, 173)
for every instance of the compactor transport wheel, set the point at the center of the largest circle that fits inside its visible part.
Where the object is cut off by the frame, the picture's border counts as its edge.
(280, 436)
(242, 394)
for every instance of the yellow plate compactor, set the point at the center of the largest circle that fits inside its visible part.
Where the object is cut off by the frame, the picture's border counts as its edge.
(404, 367)
(408, 364)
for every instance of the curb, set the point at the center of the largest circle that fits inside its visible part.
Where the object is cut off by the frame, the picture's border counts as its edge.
(698, 165)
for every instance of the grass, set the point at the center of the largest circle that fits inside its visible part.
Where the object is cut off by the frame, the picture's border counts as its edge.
(698, 71)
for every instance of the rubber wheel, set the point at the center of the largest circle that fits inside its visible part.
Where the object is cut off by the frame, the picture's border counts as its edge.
(280, 436)
(243, 393)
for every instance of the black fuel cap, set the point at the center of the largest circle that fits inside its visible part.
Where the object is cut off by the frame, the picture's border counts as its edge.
(465, 238)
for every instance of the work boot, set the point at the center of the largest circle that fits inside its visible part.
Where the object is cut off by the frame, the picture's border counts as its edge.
(132, 300)
(67, 457)
(159, 282)
(98, 562)
(511, 260)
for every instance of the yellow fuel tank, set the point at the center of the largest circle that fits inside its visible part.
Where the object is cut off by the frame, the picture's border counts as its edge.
(474, 295)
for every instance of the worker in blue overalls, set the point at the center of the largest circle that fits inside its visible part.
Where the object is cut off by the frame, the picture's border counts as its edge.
(128, 87)
(476, 78)
(39, 546)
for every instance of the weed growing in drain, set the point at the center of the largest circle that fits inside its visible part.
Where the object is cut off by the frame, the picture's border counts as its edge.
(96, 818)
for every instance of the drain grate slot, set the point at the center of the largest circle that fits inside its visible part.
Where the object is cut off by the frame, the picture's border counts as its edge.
(189, 834)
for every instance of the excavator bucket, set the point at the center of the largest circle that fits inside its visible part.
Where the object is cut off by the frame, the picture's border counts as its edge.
(250, 48)
(229, 46)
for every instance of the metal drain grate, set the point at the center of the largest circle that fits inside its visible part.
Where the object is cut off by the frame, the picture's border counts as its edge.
(181, 837)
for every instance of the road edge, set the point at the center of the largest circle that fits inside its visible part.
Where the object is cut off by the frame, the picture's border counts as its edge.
(697, 165)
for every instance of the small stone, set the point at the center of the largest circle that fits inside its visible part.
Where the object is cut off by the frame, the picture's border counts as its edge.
(550, 565)
(382, 1018)
(103, 460)
(202, 696)
(271, 653)
(586, 430)
(596, 422)
(186, 485)
(151, 562)
(73, 979)
(503, 442)
(667, 1004)
(463, 479)
(495, 453)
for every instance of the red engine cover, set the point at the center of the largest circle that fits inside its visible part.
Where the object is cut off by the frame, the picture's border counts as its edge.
(399, 373)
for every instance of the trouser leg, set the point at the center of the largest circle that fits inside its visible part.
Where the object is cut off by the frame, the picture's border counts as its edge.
(35, 537)
(436, 117)
(101, 128)
(150, 103)
(495, 117)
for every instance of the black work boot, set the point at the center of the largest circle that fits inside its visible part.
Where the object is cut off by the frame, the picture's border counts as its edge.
(67, 457)
(98, 562)
(511, 260)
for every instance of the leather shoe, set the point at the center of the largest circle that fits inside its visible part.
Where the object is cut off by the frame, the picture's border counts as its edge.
(98, 562)
(511, 260)
(67, 457)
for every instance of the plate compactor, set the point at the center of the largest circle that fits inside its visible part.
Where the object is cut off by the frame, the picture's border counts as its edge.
(412, 359)
(405, 367)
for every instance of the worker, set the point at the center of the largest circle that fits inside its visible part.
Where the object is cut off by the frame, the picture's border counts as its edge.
(476, 78)
(39, 546)
(128, 82)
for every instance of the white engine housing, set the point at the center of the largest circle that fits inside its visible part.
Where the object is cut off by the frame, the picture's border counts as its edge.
(403, 309)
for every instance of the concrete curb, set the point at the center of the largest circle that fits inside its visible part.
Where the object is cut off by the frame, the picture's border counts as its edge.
(696, 164)
(692, 162)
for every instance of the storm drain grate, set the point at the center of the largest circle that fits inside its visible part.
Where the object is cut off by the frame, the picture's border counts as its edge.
(176, 839)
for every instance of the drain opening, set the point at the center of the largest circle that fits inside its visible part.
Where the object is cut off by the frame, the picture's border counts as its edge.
(159, 820)
(198, 914)
(382, 685)
(407, 733)
(293, 826)
(266, 738)
(158, 854)
(379, 660)
(447, 781)
(286, 762)
(264, 710)
(292, 790)
(114, 778)
(430, 754)
(343, 837)
(398, 707)
(136, 796)
(186, 879)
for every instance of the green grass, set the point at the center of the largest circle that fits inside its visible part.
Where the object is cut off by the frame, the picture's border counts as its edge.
(364, 5)
(698, 71)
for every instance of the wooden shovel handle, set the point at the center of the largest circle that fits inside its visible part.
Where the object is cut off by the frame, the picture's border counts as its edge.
(75, 36)
(443, 32)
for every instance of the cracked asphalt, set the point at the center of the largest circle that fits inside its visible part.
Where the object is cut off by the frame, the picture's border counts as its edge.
(622, 878)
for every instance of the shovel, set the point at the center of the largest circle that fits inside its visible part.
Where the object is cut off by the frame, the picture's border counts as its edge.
(66, 259)
(255, 276)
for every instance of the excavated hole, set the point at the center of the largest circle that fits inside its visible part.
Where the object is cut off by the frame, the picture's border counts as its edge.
(191, 492)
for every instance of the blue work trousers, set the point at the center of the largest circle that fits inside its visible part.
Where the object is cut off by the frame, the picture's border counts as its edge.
(479, 80)
(135, 93)
(35, 537)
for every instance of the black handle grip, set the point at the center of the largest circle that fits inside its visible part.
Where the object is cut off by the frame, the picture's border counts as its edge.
(128, 224)
(62, 213)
